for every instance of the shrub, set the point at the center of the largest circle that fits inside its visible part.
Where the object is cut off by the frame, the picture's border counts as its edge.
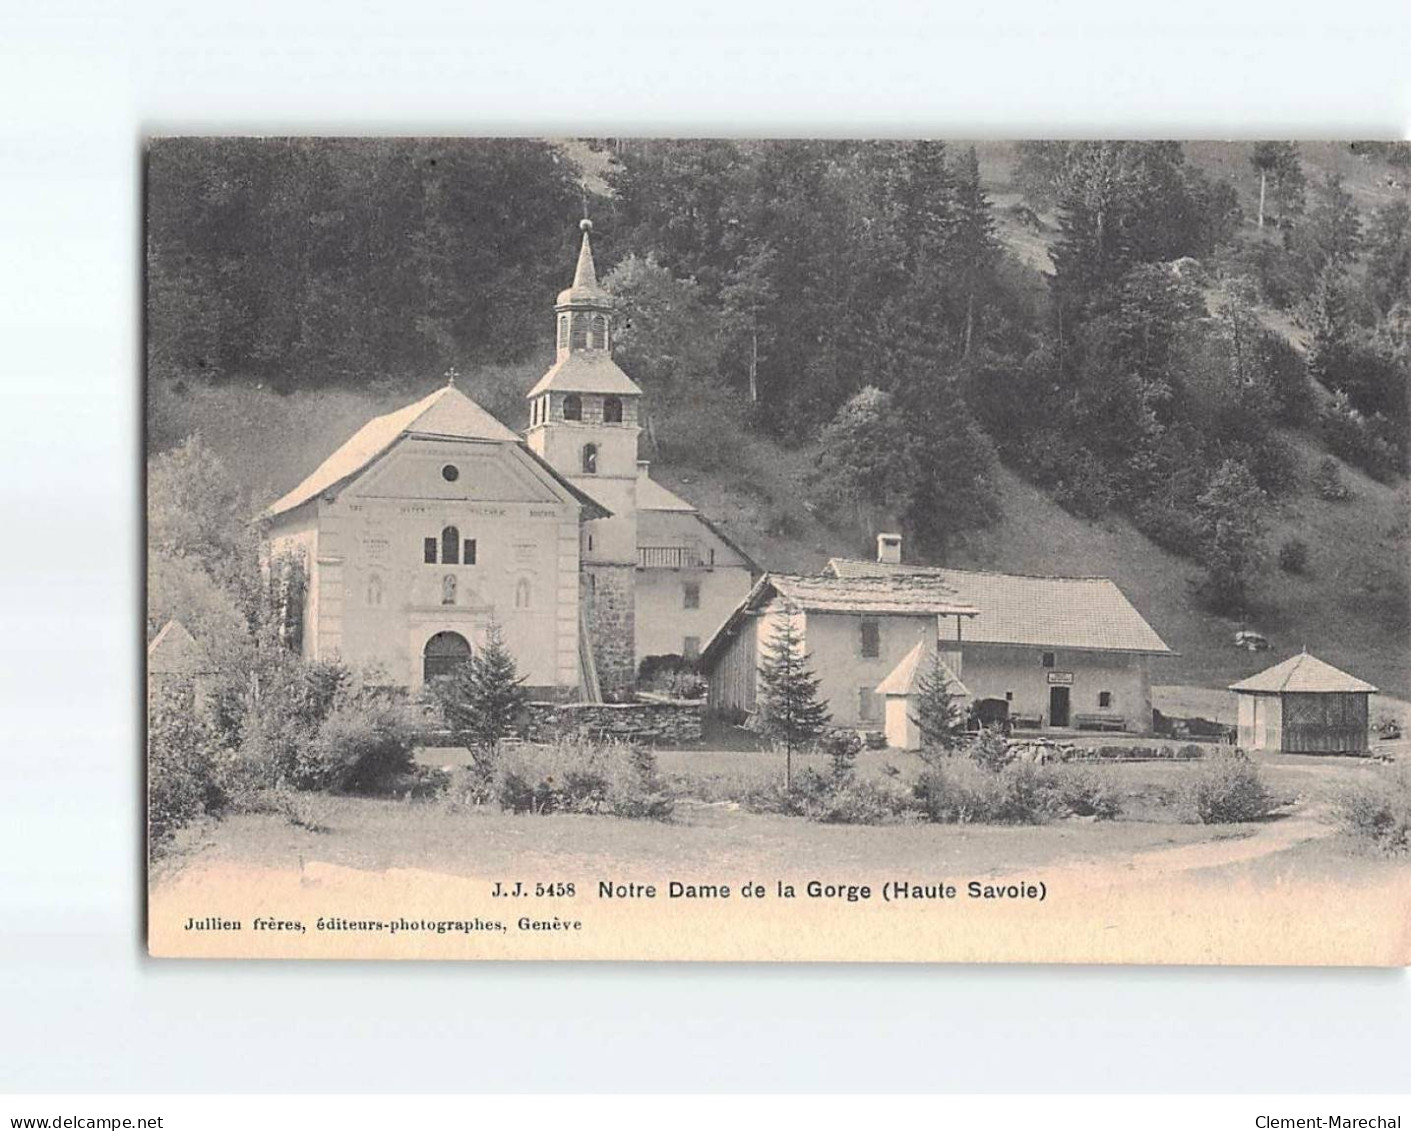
(1085, 793)
(1228, 788)
(687, 685)
(1293, 556)
(990, 750)
(963, 793)
(842, 748)
(1329, 483)
(858, 802)
(184, 778)
(581, 777)
(360, 748)
(875, 740)
(1379, 811)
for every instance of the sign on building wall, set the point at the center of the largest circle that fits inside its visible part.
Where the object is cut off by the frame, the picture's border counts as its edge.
(1063, 678)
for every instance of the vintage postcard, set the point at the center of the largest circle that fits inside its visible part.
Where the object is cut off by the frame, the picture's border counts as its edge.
(906, 551)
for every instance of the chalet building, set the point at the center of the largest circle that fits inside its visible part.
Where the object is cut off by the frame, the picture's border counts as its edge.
(434, 521)
(857, 630)
(1305, 706)
(1059, 652)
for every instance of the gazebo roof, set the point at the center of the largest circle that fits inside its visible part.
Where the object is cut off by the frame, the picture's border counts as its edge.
(1303, 672)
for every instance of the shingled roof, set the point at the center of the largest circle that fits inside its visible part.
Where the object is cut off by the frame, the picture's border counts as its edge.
(911, 595)
(1082, 613)
(1303, 672)
(867, 596)
(586, 371)
(447, 414)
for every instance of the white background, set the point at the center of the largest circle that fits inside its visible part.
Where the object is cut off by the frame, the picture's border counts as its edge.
(81, 1008)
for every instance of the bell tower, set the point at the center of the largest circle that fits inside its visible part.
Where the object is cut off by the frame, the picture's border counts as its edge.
(583, 419)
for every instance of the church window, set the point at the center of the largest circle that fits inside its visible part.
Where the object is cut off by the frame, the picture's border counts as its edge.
(450, 546)
(428, 551)
(522, 594)
(871, 638)
(573, 407)
(691, 595)
(374, 590)
(579, 338)
(563, 331)
(468, 558)
(600, 332)
(612, 410)
(450, 473)
(590, 459)
(448, 589)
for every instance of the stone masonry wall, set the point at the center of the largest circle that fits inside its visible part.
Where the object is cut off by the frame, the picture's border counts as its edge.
(655, 722)
(611, 605)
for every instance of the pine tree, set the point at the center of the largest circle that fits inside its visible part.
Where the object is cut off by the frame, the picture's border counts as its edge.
(792, 712)
(483, 696)
(938, 715)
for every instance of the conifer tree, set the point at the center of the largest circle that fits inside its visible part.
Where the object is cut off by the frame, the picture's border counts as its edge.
(792, 712)
(938, 715)
(483, 696)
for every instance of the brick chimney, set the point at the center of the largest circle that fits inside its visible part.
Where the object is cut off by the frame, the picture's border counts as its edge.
(889, 548)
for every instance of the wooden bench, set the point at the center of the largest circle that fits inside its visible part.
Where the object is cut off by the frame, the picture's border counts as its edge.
(1100, 722)
(1031, 722)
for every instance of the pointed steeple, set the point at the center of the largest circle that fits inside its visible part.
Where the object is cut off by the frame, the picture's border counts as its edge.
(585, 293)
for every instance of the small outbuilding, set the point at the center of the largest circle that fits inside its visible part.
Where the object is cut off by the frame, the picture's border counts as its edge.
(899, 692)
(1303, 706)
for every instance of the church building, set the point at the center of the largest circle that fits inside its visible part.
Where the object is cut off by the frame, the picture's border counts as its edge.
(435, 521)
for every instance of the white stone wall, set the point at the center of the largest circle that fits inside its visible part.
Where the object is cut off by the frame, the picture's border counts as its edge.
(991, 670)
(375, 601)
(834, 640)
(663, 621)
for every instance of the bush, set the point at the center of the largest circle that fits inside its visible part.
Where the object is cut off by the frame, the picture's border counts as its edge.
(1329, 483)
(360, 748)
(185, 769)
(963, 793)
(1293, 556)
(581, 777)
(1085, 793)
(1379, 811)
(990, 750)
(687, 685)
(842, 747)
(1227, 789)
(858, 802)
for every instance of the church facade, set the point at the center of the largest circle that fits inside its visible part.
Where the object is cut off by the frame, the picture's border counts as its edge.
(435, 521)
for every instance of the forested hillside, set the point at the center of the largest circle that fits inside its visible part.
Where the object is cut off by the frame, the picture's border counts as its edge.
(1185, 365)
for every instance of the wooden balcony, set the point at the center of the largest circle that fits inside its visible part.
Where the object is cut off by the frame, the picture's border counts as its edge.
(671, 557)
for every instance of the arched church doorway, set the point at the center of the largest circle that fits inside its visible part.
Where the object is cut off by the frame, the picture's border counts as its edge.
(443, 653)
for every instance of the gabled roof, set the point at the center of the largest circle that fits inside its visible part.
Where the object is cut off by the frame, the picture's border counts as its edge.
(174, 651)
(1303, 672)
(907, 595)
(652, 496)
(906, 677)
(586, 371)
(1083, 613)
(447, 414)
(868, 596)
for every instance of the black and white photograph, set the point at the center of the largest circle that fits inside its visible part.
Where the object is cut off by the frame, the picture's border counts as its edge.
(817, 550)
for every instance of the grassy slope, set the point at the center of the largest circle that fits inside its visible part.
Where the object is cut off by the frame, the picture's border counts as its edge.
(1351, 608)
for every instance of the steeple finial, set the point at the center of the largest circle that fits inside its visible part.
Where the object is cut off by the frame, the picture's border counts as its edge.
(586, 275)
(451, 375)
